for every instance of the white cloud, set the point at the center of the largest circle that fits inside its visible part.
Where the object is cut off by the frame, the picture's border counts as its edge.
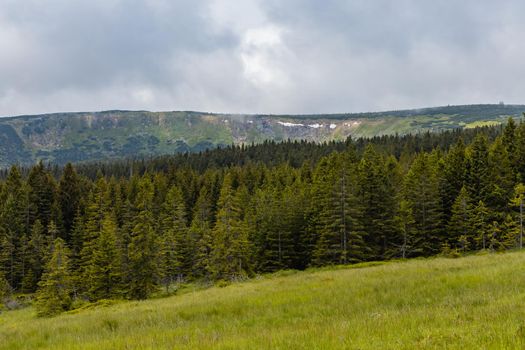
(262, 52)
(295, 56)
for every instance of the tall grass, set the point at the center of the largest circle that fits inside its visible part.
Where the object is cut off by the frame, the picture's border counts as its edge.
(477, 302)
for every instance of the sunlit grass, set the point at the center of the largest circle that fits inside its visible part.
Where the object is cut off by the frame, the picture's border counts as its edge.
(477, 302)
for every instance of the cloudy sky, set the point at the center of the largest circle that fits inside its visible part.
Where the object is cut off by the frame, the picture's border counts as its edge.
(255, 56)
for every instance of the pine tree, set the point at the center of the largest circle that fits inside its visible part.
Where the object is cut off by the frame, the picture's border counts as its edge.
(69, 195)
(517, 201)
(97, 206)
(452, 178)
(377, 196)
(494, 236)
(54, 293)
(174, 250)
(520, 151)
(38, 250)
(501, 183)
(510, 231)
(104, 272)
(480, 224)
(460, 223)
(7, 255)
(294, 208)
(421, 190)
(230, 258)
(340, 231)
(200, 237)
(405, 222)
(76, 244)
(42, 195)
(143, 247)
(478, 170)
(510, 143)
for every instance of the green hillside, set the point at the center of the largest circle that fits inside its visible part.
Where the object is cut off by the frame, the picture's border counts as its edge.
(474, 302)
(75, 137)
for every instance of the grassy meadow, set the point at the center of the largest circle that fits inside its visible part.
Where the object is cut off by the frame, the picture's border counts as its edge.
(475, 302)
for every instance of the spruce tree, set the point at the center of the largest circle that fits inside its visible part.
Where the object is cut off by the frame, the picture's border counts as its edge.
(478, 170)
(481, 225)
(143, 247)
(230, 258)
(459, 228)
(501, 183)
(97, 206)
(13, 231)
(42, 195)
(54, 293)
(38, 250)
(200, 237)
(377, 197)
(408, 243)
(7, 255)
(509, 140)
(510, 232)
(517, 202)
(340, 231)
(69, 196)
(452, 177)
(174, 250)
(104, 272)
(520, 151)
(421, 190)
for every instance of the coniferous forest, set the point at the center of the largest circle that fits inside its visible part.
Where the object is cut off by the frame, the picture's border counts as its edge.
(130, 229)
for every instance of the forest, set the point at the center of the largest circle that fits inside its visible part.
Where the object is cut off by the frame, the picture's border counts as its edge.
(133, 228)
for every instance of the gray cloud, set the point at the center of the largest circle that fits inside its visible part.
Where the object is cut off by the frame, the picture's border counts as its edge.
(294, 56)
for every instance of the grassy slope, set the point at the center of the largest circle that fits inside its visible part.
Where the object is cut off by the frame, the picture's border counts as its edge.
(469, 303)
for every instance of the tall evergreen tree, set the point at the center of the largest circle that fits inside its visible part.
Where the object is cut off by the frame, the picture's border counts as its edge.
(517, 201)
(143, 247)
(408, 244)
(104, 272)
(97, 206)
(69, 196)
(421, 190)
(460, 224)
(478, 170)
(42, 196)
(452, 177)
(377, 197)
(174, 251)
(481, 225)
(341, 234)
(501, 184)
(509, 140)
(510, 233)
(38, 251)
(200, 238)
(54, 293)
(230, 257)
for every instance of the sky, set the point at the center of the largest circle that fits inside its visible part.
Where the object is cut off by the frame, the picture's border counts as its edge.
(255, 56)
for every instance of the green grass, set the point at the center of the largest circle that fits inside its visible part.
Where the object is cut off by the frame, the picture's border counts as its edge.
(476, 302)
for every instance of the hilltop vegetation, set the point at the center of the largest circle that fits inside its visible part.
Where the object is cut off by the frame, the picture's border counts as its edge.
(74, 137)
(469, 303)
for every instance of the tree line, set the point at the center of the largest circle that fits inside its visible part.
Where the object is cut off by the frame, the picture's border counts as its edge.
(94, 231)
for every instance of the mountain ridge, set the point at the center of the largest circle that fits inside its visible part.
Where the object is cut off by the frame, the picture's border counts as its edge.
(86, 136)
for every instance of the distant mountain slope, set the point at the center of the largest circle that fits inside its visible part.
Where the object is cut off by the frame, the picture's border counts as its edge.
(84, 136)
